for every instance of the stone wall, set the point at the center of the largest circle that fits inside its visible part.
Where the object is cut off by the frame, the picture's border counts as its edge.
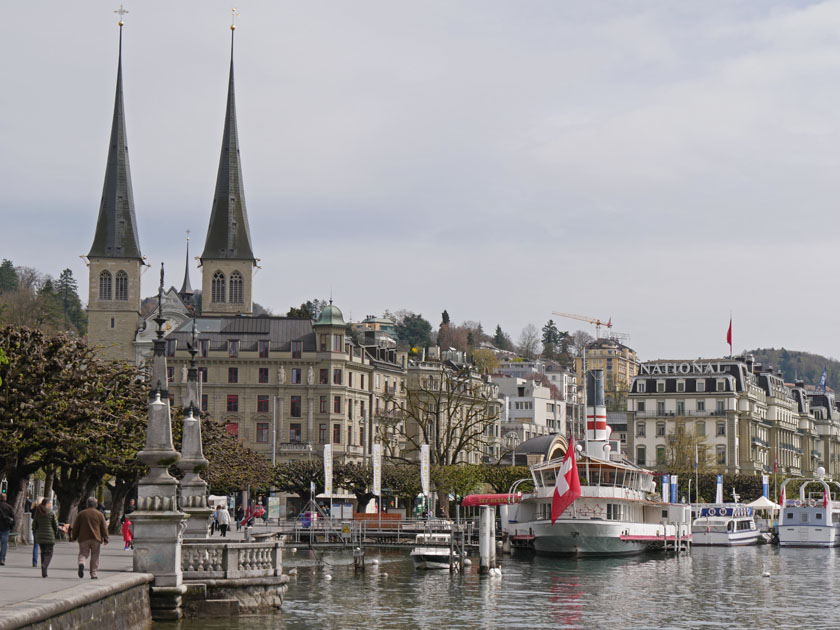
(253, 594)
(121, 604)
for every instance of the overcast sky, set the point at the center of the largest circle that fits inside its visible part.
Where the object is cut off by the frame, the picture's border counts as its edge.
(660, 163)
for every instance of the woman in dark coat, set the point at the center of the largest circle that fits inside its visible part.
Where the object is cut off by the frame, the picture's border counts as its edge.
(45, 528)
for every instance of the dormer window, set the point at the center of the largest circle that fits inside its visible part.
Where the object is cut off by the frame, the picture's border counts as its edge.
(233, 348)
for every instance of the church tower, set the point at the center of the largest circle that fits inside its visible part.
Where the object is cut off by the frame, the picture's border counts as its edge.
(114, 260)
(228, 261)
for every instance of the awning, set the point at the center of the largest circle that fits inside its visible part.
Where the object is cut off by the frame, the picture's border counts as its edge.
(763, 503)
(490, 499)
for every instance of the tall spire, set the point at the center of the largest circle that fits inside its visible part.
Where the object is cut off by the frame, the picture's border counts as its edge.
(186, 291)
(229, 236)
(116, 229)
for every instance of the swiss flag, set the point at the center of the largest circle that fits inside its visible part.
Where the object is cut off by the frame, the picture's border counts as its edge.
(729, 335)
(826, 498)
(567, 488)
(782, 499)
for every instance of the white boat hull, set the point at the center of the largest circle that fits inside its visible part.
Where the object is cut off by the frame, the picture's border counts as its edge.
(580, 537)
(726, 539)
(431, 561)
(809, 536)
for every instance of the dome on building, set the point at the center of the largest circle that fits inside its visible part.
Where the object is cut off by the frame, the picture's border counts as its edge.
(330, 316)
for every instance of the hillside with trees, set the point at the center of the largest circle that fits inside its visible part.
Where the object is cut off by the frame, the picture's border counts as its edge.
(800, 365)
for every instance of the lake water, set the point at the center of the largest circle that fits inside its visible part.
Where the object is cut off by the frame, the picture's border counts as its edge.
(709, 588)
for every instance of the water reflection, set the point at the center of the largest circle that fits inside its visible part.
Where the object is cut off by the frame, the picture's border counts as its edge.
(710, 588)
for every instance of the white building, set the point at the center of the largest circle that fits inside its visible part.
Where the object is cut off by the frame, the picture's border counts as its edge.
(529, 410)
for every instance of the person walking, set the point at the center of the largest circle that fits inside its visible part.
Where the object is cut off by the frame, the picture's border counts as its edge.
(45, 529)
(127, 535)
(91, 531)
(31, 510)
(222, 519)
(240, 514)
(7, 522)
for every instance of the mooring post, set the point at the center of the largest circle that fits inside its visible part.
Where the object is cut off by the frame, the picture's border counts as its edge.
(485, 541)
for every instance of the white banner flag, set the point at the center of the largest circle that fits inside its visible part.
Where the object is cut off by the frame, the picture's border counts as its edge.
(377, 469)
(328, 467)
(424, 468)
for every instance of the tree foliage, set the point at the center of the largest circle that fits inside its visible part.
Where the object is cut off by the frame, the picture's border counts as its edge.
(529, 342)
(414, 331)
(310, 309)
(29, 298)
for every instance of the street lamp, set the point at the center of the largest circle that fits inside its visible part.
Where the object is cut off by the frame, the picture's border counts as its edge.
(512, 440)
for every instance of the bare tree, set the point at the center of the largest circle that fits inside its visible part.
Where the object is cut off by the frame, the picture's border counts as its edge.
(450, 408)
(580, 339)
(529, 342)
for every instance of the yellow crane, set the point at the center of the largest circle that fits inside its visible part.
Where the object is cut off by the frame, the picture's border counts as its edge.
(591, 320)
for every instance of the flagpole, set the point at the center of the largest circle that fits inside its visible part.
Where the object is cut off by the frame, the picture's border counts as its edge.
(696, 477)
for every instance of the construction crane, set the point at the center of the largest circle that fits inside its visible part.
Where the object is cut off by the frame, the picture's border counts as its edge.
(591, 320)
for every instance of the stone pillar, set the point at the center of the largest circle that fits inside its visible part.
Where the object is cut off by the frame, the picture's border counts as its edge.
(193, 487)
(158, 522)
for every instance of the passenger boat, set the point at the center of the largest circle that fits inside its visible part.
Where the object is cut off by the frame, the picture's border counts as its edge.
(813, 519)
(432, 551)
(725, 525)
(618, 511)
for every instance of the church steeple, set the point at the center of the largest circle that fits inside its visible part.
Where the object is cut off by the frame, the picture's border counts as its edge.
(228, 260)
(229, 235)
(116, 229)
(186, 292)
(114, 261)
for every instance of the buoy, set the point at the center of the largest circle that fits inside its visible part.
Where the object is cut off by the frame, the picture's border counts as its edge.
(765, 574)
(293, 571)
(375, 561)
(328, 577)
(467, 562)
(293, 550)
(384, 575)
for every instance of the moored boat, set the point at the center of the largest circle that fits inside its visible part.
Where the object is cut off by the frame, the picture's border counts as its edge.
(725, 525)
(432, 551)
(812, 519)
(616, 512)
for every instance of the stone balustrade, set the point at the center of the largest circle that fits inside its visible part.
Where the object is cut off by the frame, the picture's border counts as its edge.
(215, 560)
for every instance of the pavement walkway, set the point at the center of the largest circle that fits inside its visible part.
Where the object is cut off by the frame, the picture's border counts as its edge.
(20, 581)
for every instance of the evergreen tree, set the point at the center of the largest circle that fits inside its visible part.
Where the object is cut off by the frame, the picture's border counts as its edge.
(550, 340)
(8, 277)
(414, 331)
(66, 288)
(499, 339)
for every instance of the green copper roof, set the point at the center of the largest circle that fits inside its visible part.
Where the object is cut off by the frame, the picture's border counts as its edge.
(330, 316)
(229, 236)
(116, 228)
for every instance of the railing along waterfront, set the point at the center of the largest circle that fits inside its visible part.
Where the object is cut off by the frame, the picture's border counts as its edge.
(206, 559)
(370, 531)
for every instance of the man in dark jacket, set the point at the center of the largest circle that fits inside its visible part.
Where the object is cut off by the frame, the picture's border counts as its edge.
(7, 521)
(91, 531)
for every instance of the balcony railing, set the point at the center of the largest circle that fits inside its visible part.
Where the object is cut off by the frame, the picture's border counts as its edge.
(294, 447)
(685, 414)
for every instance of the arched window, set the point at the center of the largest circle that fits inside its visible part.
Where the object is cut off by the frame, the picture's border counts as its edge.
(236, 288)
(218, 292)
(121, 286)
(105, 285)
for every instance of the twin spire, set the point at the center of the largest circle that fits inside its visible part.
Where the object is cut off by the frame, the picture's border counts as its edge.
(228, 235)
(116, 229)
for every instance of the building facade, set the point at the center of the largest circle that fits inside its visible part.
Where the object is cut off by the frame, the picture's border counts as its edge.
(529, 409)
(733, 415)
(619, 363)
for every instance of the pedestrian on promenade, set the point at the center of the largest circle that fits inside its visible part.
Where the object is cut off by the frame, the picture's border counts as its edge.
(45, 529)
(91, 531)
(126, 532)
(31, 511)
(222, 519)
(7, 522)
(240, 514)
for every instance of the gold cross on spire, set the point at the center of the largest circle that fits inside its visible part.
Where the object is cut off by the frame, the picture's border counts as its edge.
(233, 13)
(121, 12)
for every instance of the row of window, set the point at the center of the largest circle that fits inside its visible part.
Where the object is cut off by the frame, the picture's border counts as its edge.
(700, 405)
(699, 428)
(220, 289)
(700, 384)
(641, 455)
(120, 286)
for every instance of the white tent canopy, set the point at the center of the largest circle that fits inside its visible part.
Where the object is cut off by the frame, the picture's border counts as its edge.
(763, 503)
